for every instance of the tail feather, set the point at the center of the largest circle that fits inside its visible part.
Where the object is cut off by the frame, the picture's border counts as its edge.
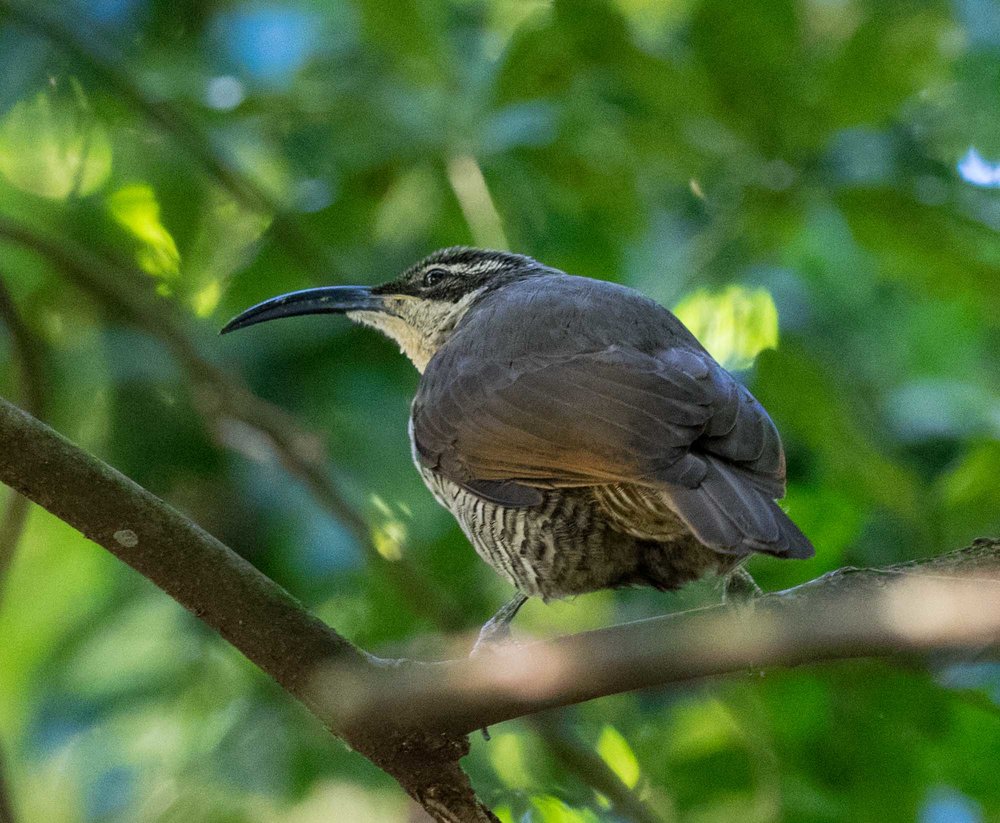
(733, 516)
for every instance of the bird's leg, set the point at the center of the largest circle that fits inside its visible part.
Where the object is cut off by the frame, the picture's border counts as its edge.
(739, 588)
(497, 628)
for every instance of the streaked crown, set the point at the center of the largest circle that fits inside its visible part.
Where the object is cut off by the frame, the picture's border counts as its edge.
(451, 274)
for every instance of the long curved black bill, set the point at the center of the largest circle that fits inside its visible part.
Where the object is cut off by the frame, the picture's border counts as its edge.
(324, 300)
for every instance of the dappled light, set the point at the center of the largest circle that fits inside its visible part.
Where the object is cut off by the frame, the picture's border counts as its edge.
(978, 171)
(553, 810)
(53, 145)
(619, 756)
(389, 531)
(137, 210)
(813, 187)
(735, 325)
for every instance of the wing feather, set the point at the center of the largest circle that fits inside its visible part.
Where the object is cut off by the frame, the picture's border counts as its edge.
(515, 400)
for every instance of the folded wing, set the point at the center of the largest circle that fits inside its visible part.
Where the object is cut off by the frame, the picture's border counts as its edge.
(509, 419)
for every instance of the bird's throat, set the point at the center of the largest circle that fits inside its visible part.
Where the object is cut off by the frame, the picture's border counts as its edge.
(411, 340)
(419, 327)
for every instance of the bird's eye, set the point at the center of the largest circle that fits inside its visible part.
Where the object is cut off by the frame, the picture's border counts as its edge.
(434, 276)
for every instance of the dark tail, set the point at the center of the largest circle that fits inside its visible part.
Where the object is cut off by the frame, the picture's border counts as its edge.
(729, 514)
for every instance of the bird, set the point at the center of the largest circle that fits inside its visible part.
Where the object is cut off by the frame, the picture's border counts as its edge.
(578, 432)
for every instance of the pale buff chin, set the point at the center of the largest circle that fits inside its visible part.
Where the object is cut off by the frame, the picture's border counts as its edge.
(420, 327)
(411, 342)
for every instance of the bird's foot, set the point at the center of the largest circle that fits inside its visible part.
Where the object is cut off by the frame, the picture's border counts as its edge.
(740, 589)
(491, 636)
(496, 631)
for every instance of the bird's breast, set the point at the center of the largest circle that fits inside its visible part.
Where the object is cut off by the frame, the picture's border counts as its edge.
(558, 548)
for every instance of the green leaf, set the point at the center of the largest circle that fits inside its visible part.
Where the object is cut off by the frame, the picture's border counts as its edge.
(54, 146)
(553, 810)
(508, 758)
(136, 209)
(735, 325)
(619, 756)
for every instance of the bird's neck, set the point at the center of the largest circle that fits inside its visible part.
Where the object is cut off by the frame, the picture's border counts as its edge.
(419, 327)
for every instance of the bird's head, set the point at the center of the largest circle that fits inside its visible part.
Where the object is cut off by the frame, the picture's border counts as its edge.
(419, 309)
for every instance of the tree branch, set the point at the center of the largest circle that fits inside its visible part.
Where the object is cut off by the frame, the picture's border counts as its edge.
(222, 398)
(219, 587)
(410, 718)
(946, 604)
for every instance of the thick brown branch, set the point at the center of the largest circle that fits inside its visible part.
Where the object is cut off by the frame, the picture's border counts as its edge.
(948, 604)
(248, 609)
(228, 594)
(221, 398)
(385, 708)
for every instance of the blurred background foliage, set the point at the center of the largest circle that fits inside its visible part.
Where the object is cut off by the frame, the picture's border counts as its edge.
(813, 184)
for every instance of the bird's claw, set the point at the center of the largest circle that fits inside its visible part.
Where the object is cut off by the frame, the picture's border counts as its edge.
(496, 631)
(740, 589)
(492, 636)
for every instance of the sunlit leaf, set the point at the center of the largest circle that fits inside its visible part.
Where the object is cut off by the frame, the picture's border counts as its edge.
(618, 755)
(553, 810)
(813, 148)
(54, 146)
(701, 728)
(735, 325)
(136, 209)
(504, 814)
(206, 299)
(388, 539)
(508, 759)
(389, 532)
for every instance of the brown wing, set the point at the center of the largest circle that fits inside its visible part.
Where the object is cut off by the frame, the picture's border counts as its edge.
(500, 419)
(601, 417)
